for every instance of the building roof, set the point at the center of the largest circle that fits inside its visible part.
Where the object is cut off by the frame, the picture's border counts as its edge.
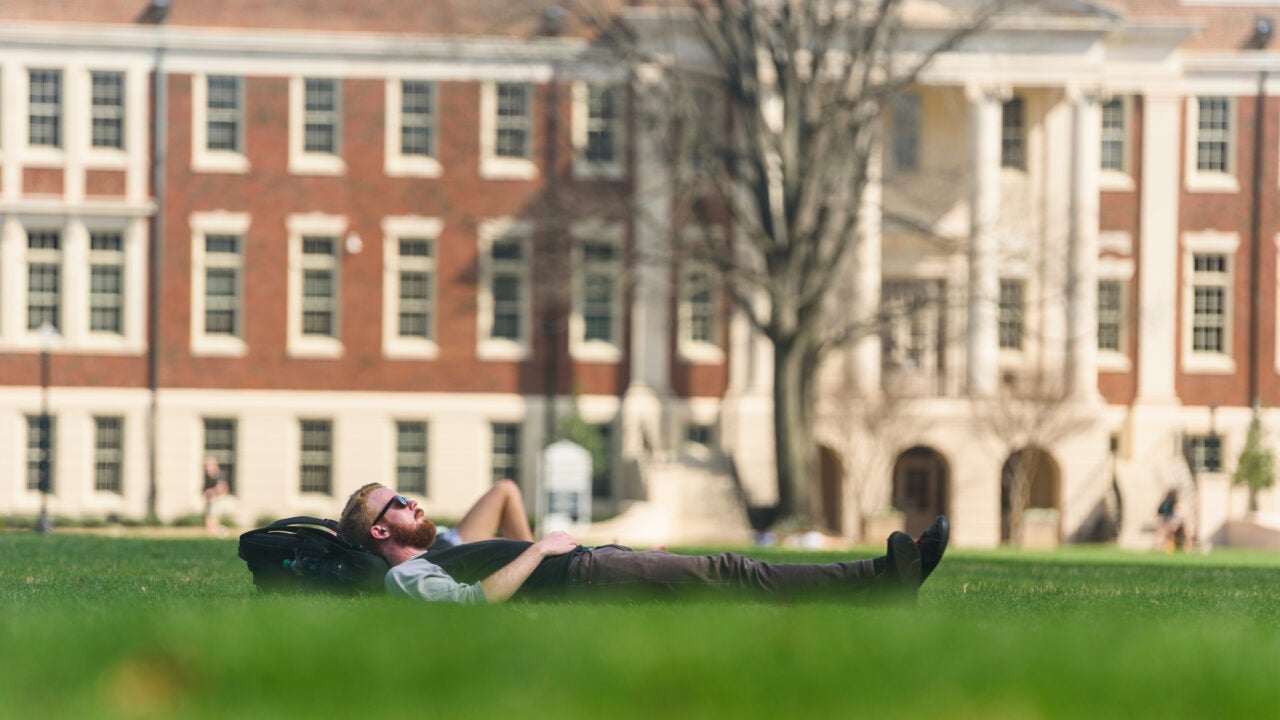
(1223, 26)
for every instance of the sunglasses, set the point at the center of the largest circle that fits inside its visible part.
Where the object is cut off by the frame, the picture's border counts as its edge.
(398, 500)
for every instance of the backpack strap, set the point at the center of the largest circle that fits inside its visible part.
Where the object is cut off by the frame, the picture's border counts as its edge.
(305, 520)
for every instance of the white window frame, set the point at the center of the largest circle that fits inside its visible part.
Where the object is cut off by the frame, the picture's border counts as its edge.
(395, 229)
(217, 161)
(308, 225)
(595, 350)
(493, 167)
(40, 155)
(1206, 180)
(106, 258)
(398, 453)
(1119, 270)
(113, 455)
(203, 225)
(122, 109)
(699, 352)
(583, 124)
(302, 162)
(491, 231)
(397, 163)
(1022, 133)
(1111, 178)
(1212, 243)
(517, 457)
(328, 454)
(45, 256)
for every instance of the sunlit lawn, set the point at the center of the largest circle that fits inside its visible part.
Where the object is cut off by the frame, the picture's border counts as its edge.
(97, 627)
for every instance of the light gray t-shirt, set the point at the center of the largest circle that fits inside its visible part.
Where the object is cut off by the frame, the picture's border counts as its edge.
(421, 579)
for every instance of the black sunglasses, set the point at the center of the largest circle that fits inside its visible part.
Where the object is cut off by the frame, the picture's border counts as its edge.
(402, 500)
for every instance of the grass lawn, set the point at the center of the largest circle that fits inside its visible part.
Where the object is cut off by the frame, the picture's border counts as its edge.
(94, 627)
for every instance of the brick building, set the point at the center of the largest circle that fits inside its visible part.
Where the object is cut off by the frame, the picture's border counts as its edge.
(335, 242)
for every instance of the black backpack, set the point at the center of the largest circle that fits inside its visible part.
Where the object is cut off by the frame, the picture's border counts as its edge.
(308, 554)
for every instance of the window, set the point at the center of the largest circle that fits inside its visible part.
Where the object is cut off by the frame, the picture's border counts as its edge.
(597, 317)
(513, 121)
(602, 477)
(322, 108)
(222, 272)
(505, 290)
(598, 129)
(417, 118)
(1013, 149)
(315, 126)
(1204, 453)
(44, 127)
(220, 444)
(44, 279)
(1214, 134)
(505, 456)
(1110, 316)
(1011, 310)
(906, 131)
(41, 451)
(217, 124)
(417, 272)
(411, 458)
(106, 282)
(319, 286)
(107, 89)
(409, 286)
(317, 457)
(698, 434)
(224, 109)
(217, 283)
(1211, 280)
(506, 131)
(1114, 135)
(108, 454)
(699, 309)
(315, 284)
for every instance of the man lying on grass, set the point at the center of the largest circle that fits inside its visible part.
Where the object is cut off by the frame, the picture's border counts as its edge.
(493, 571)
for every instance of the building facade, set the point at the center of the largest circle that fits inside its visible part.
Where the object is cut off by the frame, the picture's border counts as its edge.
(329, 244)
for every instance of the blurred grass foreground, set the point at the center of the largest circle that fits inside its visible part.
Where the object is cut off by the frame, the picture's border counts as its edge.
(96, 627)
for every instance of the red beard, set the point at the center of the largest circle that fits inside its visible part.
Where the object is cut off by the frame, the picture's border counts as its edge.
(420, 536)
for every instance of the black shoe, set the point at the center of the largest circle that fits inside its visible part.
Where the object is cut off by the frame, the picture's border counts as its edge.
(902, 566)
(932, 544)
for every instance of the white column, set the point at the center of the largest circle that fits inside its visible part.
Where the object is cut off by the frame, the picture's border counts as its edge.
(1082, 282)
(983, 358)
(867, 275)
(1158, 242)
(642, 405)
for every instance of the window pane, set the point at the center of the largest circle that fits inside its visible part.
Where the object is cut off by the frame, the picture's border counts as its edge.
(1011, 314)
(1013, 135)
(506, 452)
(411, 457)
(108, 454)
(44, 126)
(220, 444)
(317, 456)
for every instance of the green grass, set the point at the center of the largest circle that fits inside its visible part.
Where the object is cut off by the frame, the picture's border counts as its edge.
(93, 627)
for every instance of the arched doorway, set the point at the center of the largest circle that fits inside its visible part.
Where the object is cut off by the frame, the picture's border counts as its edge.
(1033, 472)
(921, 487)
(831, 472)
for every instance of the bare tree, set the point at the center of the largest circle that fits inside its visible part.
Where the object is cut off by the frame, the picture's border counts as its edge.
(785, 165)
(1031, 414)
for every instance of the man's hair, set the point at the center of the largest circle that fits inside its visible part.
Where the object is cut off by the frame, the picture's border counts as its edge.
(357, 518)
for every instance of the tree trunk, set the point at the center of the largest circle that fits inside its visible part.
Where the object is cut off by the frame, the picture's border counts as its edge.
(798, 501)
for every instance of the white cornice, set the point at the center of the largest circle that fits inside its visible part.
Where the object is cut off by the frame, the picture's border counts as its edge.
(233, 41)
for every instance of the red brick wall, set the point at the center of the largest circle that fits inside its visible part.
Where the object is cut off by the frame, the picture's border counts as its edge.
(104, 182)
(42, 181)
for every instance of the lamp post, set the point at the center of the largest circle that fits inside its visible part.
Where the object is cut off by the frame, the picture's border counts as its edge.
(48, 333)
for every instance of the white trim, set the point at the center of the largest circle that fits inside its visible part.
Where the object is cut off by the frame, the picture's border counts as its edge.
(487, 347)
(582, 167)
(202, 224)
(1208, 242)
(318, 224)
(394, 229)
(202, 158)
(503, 168)
(1209, 181)
(397, 163)
(1115, 241)
(302, 162)
(580, 349)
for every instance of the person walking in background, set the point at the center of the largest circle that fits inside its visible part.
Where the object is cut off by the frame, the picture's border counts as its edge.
(215, 488)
